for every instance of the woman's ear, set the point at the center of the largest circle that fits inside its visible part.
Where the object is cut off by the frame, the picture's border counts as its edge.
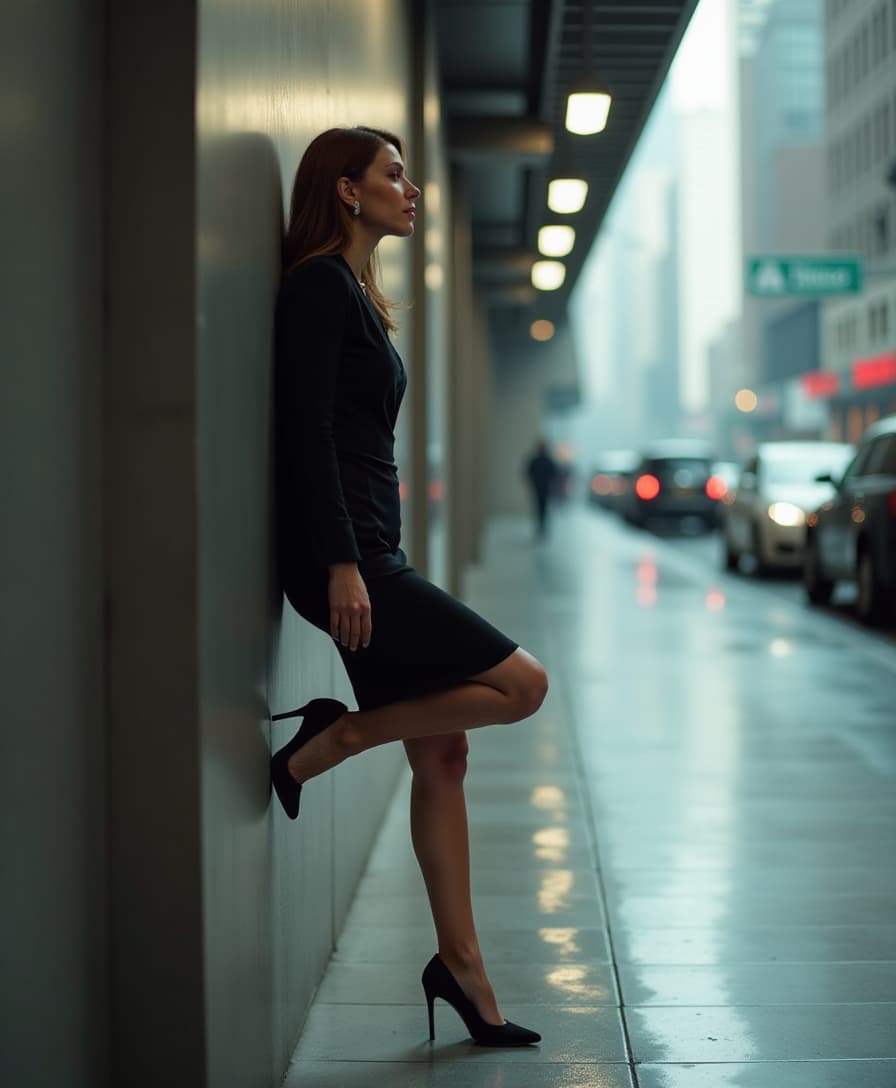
(346, 190)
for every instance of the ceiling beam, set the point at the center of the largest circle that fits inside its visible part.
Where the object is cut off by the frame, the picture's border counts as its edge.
(520, 138)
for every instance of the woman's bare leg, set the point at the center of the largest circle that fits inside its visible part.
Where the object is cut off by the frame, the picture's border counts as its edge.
(507, 693)
(441, 843)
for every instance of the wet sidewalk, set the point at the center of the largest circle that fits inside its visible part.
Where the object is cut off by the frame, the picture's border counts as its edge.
(684, 866)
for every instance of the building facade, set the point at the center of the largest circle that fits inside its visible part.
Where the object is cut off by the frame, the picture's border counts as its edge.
(858, 332)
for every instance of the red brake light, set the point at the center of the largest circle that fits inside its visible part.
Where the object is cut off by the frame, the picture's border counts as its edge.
(716, 488)
(647, 487)
(891, 504)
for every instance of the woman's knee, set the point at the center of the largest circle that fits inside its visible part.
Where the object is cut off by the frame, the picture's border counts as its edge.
(439, 760)
(533, 688)
(521, 679)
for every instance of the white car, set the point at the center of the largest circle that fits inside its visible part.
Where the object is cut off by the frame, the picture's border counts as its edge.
(766, 515)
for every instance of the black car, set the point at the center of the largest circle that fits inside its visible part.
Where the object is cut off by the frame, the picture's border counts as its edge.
(674, 479)
(853, 535)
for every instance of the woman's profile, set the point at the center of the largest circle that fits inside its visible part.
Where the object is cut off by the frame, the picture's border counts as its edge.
(424, 667)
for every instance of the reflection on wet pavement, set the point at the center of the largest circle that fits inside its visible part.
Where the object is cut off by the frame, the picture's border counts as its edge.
(682, 866)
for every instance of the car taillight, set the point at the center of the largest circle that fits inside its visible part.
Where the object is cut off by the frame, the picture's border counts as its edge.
(647, 487)
(891, 504)
(716, 488)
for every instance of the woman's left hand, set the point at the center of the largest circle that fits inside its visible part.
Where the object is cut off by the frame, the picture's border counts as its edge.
(350, 618)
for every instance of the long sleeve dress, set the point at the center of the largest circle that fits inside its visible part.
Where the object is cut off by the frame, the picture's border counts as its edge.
(339, 383)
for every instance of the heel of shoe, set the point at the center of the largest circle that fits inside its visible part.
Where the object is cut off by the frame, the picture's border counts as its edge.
(439, 982)
(430, 1002)
(290, 714)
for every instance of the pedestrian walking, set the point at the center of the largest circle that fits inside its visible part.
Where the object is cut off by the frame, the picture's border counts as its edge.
(541, 472)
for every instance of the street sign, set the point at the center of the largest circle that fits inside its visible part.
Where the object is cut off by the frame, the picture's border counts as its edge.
(776, 277)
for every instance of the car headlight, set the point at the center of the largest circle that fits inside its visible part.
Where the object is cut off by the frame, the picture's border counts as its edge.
(786, 514)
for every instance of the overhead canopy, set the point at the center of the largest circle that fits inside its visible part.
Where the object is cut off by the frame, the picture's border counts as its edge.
(507, 69)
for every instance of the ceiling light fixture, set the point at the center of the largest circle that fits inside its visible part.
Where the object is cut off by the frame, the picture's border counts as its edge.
(588, 105)
(567, 195)
(556, 240)
(587, 112)
(548, 275)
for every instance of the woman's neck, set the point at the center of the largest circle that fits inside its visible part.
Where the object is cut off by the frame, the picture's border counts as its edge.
(358, 252)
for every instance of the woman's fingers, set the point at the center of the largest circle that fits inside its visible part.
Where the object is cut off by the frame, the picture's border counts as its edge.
(354, 631)
(350, 622)
(351, 626)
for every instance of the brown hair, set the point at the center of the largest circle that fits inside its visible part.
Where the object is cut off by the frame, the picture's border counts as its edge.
(319, 222)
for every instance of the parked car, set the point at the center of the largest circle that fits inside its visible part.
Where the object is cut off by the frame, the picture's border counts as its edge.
(852, 536)
(778, 486)
(611, 476)
(674, 479)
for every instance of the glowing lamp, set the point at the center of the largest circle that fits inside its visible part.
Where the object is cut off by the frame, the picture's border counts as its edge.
(587, 112)
(548, 275)
(556, 240)
(567, 195)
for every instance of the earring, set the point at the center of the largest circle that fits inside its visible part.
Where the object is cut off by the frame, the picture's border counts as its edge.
(357, 207)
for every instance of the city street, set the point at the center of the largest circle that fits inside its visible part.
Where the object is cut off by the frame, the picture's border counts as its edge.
(705, 550)
(682, 865)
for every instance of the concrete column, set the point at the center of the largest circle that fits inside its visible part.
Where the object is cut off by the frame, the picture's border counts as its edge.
(53, 1025)
(468, 371)
(415, 534)
(150, 546)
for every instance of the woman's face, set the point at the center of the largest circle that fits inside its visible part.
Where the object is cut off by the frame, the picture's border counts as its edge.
(387, 195)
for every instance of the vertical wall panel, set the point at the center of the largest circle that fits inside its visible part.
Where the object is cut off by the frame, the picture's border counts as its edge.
(270, 78)
(52, 911)
(150, 546)
(437, 278)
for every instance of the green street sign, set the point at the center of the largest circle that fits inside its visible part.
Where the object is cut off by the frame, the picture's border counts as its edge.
(776, 277)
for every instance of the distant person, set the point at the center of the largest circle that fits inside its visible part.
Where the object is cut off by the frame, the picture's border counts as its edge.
(542, 472)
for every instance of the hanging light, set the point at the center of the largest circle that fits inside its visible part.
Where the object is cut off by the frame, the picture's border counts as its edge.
(567, 195)
(548, 275)
(588, 105)
(556, 240)
(587, 112)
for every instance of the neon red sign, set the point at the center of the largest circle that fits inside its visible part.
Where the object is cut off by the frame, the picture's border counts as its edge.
(881, 370)
(820, 383)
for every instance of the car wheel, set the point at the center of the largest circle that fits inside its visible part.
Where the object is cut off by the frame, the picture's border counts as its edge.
(818, 588)
(873, 604)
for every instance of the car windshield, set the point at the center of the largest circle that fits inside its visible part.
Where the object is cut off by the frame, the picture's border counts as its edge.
(803, 469)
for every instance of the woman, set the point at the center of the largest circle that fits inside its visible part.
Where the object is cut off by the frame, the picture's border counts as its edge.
(424, 668)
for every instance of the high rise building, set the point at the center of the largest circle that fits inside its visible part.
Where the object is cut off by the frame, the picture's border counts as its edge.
(783, 197)
(859, 331)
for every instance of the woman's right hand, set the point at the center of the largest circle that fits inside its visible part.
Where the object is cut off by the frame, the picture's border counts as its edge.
(350, 620)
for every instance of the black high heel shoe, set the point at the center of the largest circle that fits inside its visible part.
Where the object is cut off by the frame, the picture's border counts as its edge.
(317, 715)
(439, 982)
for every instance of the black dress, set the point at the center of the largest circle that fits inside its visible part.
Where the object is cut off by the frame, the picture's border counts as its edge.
(338, 385)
